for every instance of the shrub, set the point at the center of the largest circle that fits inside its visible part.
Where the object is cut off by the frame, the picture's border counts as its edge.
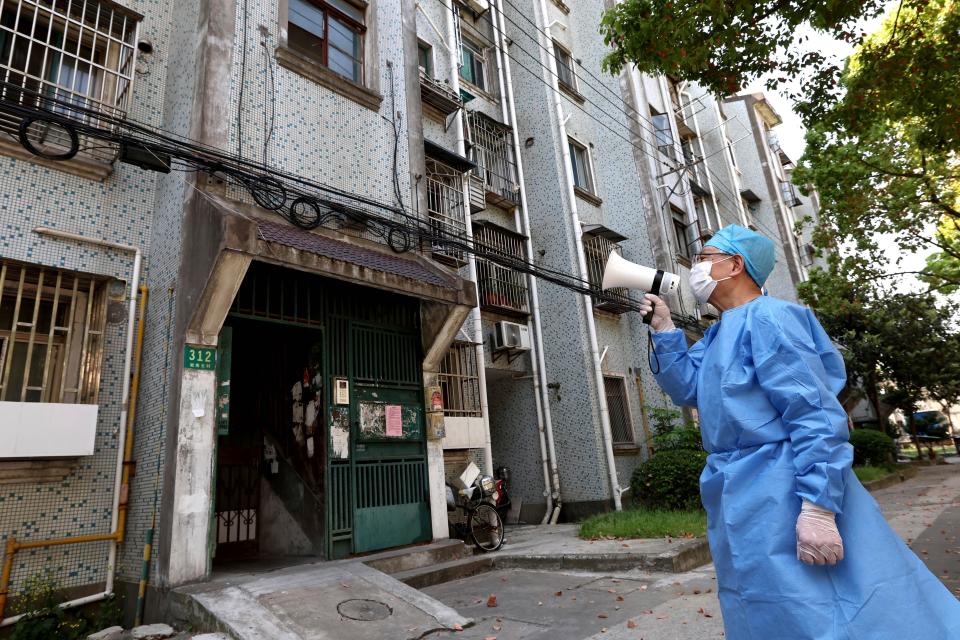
(666, 420)
(669, 480)
(682, 439)
(873, 448)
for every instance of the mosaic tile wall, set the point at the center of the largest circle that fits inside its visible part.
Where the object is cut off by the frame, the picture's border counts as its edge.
(574, 405)
(119, 209)
(178, 44)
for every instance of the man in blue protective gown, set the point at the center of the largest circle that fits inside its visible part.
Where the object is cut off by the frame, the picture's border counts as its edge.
(801, 549)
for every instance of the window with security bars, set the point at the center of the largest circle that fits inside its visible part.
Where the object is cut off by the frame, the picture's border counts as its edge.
(460, 382)
(446, 209)
(502, 289)
(790, 196)
(491, 148)
(75, 58)
(597, 250)
(51, 334)
(618, 407)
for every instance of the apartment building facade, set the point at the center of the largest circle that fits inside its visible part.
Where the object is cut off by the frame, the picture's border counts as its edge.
(268, 189)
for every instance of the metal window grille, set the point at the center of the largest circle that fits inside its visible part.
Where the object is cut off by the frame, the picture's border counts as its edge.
(51, 334)
(501, 288)
(74, 57)
(617, 406)
(789, 192)
(446, 208)
(460, 381)
(696, 167)
(597, 250)
(491, 148)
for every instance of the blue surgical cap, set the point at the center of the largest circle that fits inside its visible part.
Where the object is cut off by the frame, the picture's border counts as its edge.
(757, 250)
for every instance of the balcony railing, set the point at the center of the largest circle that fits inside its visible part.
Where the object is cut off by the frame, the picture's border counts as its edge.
(445, 209)
(790, 196)
(501, 289)
(597, 250)
(491, 148)
(74, 59)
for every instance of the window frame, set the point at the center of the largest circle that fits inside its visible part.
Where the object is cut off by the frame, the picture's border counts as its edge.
(427, 48)
(561, 52)
(358, 28)
(678, 219)
(663, 134)
(627, 414)
(574, 146)
(476, 49)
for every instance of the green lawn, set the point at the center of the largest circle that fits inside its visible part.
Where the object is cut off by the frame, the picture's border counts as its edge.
(644, 523)
(867, 473)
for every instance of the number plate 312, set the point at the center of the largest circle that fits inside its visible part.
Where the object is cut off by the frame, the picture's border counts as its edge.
(199, 358)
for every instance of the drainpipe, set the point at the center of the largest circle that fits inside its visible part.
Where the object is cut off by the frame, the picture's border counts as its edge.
(551, 478)
(116, 523)
(458, 129)
(577, 235)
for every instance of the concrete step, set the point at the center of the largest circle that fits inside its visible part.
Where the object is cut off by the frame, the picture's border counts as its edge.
(408, 558)
(446, 571)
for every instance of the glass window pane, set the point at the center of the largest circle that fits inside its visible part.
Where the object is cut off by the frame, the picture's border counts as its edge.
(343, 37)
(343, 64)
(574, 160)
(306, 16)
(347, 8)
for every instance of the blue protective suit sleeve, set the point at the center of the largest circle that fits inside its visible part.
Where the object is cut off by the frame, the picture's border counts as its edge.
(678, 366)
(797, 368)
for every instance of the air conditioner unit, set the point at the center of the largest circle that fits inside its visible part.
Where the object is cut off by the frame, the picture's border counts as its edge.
(511, 335)
(478, 6)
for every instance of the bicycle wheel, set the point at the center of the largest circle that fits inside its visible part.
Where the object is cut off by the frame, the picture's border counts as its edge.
(486, 528)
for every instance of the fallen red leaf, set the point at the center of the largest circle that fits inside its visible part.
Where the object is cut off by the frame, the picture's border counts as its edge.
(492, 601)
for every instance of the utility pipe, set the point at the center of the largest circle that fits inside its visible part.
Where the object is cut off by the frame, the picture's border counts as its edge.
(577, 234)
(551, 477)
(471, 259)
(116, 528)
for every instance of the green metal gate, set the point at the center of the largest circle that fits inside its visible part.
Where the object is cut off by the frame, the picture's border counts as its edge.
(377, 493)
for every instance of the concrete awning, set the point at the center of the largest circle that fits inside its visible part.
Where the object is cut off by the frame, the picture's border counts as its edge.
(228, 235)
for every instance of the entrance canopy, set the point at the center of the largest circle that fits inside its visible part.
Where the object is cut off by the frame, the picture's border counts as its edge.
(228, 235)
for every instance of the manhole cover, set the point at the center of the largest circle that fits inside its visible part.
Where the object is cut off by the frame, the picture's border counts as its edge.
(364, 610)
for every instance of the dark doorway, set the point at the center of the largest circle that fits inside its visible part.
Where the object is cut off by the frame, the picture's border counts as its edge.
(271, 451)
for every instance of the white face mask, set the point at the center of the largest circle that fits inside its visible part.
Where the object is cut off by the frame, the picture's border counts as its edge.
(702, 283)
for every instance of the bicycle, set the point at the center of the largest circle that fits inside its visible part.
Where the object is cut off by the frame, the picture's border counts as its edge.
(470, 513)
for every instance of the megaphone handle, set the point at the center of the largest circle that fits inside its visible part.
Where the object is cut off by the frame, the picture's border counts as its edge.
(647, 318)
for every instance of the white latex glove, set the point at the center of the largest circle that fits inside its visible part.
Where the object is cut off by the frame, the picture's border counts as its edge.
(818, 539)
(661, 313)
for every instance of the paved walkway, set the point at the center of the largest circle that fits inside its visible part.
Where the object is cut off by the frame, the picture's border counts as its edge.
(572, 605)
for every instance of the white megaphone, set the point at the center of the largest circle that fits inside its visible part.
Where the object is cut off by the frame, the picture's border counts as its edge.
(621, 273)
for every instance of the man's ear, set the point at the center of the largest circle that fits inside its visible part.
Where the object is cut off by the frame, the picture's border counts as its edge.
(739, 265)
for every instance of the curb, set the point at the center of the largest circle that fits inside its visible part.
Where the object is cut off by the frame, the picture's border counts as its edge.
(690, 554)
(890, 480)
